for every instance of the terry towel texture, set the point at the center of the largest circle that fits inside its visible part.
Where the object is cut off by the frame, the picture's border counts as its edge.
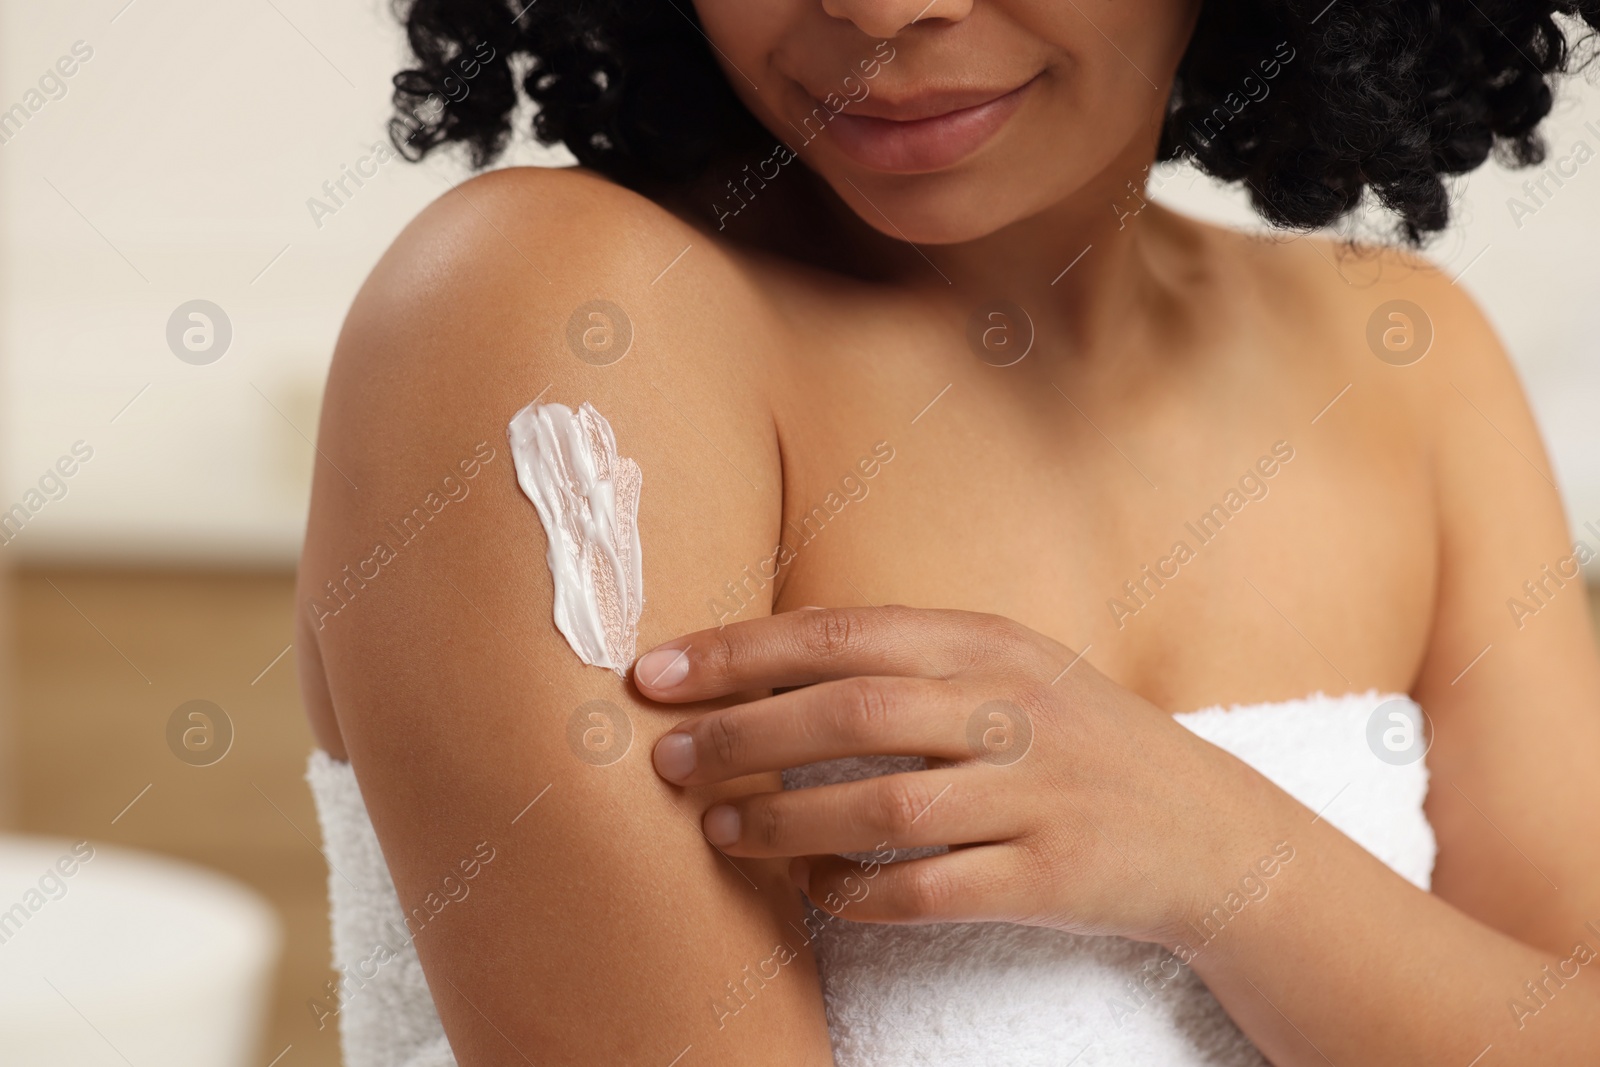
(978, 994)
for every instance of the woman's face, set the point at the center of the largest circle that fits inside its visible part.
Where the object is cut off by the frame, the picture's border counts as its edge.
(941, 121)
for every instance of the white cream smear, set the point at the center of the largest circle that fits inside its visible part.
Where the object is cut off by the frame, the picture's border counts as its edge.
(587, 497)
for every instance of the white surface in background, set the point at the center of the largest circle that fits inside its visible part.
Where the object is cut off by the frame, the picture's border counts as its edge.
(182, 158)
(129, 958)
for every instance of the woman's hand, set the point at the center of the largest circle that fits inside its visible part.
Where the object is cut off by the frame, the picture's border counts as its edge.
(1081, 806)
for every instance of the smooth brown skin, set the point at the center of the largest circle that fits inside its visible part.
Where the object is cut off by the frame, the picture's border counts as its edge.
(766, 362)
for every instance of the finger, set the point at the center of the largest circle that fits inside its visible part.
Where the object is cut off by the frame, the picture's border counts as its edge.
(983, 884)
(849, 717)
(805, 647)
(934, 807)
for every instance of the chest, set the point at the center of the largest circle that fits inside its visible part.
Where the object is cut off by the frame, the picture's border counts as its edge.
(1200, 530)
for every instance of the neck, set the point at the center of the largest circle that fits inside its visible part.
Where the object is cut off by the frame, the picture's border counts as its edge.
(1083, 268)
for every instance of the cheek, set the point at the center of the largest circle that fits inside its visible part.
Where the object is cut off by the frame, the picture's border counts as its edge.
(1112, 75)
(1144, 37)
(752, 46)
(746, 35)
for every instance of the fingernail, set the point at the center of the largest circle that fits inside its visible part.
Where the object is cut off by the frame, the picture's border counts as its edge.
(675, 757)
(800, 873)
(722, 825)
(663, 668)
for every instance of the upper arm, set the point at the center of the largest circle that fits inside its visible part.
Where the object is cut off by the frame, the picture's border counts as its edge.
(607, 929)
(1511, 679)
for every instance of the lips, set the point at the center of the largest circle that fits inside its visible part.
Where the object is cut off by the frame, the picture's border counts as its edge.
(923, 133)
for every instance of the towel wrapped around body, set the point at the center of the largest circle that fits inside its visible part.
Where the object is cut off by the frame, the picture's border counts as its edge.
(955, 994)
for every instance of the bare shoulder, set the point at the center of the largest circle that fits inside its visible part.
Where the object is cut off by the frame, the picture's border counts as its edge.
(429, 656)
(520, 284)
(1509, 674)
(1393, 302)
(1425, 371)
(1382, 317)
(518, 255)
(527, 284)
(1416, 333)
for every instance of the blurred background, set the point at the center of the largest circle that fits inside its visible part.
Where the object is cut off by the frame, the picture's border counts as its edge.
(175, 260)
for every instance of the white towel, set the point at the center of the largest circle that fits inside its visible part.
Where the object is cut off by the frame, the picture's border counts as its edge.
(978, 994)
(1003, 995)
(386, 1016)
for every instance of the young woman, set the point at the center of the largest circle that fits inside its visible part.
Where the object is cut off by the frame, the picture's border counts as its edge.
(1199, 670)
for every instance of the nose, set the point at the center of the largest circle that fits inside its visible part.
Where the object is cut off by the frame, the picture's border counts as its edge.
(886, 18)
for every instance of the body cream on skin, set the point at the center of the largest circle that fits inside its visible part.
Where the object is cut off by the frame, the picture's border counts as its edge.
(587, 497)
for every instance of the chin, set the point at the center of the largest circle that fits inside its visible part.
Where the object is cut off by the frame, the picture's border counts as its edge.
(929, 209)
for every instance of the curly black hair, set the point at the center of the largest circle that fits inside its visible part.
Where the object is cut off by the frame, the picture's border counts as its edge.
(1387, 94)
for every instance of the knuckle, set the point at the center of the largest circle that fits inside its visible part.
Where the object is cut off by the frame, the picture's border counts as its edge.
(866, 708)
(829, 635)
(767, 824)
(1006, 638)
(1033, 868)
(1034, 699)
(727, 738)
(989, 641)
(1036, 862)
(725, 653)
(926, 889)
(1050, 716)
(900, 806)
(1065, 853)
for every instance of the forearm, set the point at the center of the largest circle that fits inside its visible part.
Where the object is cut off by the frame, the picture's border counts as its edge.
(1346, 962)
